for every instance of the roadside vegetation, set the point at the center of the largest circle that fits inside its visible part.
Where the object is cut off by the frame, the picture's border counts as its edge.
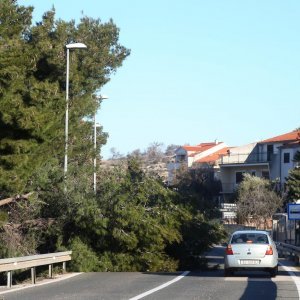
(257, 202)
(134, 222)
(293, 181)
(257, 199)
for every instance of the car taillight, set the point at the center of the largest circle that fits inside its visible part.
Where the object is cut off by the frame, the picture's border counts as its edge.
(229, 250)
(269, 251)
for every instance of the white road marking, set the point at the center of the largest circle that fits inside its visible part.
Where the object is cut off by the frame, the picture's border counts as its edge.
(44, 282)
(278, 278)
(161, 286)
(294, 277)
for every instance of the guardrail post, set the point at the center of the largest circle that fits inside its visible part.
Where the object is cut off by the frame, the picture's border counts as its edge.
(51, 271)
(31, 262)
(33, 275)
(9, 279)
(64, 267)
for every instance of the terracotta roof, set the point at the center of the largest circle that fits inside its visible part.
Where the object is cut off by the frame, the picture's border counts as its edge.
(213, 157)
(199, 148)
(191, 148)
(287, 137)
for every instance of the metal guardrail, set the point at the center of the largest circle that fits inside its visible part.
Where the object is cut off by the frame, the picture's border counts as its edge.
(25, 262)
(288, 250)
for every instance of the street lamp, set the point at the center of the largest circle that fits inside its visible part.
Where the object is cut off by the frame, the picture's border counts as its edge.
(100, 98)
(69, 46)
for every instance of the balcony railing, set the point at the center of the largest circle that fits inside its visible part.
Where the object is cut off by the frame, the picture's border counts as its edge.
(247, 158)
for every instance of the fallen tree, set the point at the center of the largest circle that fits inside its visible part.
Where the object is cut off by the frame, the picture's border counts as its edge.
(15, 198)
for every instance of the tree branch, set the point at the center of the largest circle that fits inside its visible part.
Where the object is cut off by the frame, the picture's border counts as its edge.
(17, 197)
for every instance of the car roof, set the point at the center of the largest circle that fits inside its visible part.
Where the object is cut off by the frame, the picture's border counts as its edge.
(250, 231)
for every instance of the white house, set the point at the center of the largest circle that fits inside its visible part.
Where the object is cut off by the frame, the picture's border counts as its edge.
(280, 152)
(271, 158)
(201, 155)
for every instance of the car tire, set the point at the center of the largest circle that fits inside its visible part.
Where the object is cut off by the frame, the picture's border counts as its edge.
(274, 271)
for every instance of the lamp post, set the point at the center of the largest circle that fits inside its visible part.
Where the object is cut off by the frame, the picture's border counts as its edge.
(69, 46)
(100, 98)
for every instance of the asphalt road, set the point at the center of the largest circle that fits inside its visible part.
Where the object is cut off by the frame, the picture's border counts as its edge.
(204, 285)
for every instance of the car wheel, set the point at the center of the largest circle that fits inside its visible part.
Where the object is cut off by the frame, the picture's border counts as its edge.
(228, 272)
(274, 271)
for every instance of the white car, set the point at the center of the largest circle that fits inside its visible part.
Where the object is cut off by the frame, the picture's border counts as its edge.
(251, 250)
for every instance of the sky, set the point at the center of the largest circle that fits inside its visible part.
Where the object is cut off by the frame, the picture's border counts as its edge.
(198, 71)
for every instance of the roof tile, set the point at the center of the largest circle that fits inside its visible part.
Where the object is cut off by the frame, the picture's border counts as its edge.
(287, 137)
(213, 157)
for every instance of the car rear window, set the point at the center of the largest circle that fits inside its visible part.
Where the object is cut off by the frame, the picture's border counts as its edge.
(250, 238)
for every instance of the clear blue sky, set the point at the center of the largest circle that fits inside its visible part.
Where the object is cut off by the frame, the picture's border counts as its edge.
(198, 71)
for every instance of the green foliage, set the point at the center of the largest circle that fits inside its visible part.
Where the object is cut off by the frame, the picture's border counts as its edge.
(84, 259)
(134, 222)
(257, 200)
(3, 218)
(32, 92)
(197, 192)
(32, 98)
(200, 190)
(120, 262)
(73, 206)
(142, 219)
(126, 227)
(293, 181)
(198, 235)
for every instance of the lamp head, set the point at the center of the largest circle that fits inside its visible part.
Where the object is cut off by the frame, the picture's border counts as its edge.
(102, 97)
(76, 46)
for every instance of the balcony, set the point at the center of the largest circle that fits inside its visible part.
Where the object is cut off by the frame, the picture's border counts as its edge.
(247, 158)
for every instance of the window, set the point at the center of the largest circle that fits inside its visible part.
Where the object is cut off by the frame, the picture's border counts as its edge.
(286, 158)
(250, 238)
(265, 174)
(239, 177)
(180, 158)
(270, 151)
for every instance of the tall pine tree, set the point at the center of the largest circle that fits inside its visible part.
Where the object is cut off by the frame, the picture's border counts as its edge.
(32, 91)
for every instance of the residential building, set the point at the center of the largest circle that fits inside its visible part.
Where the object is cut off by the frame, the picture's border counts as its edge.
(271, 158)
(203, 155)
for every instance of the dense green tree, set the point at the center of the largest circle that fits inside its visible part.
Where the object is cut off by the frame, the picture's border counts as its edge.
(14, 138)
(32, 98)
(199, 188)
(32, 95)
(197, 191)
(142, 220)
(293, 180)
(126, 227)
(133, 222)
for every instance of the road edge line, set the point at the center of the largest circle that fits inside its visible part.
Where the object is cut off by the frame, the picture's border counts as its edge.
(160, 287)
(16, 288)
(294, 277)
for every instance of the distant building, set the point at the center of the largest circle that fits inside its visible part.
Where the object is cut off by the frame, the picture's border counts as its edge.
(271, 158)
(203, 155)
